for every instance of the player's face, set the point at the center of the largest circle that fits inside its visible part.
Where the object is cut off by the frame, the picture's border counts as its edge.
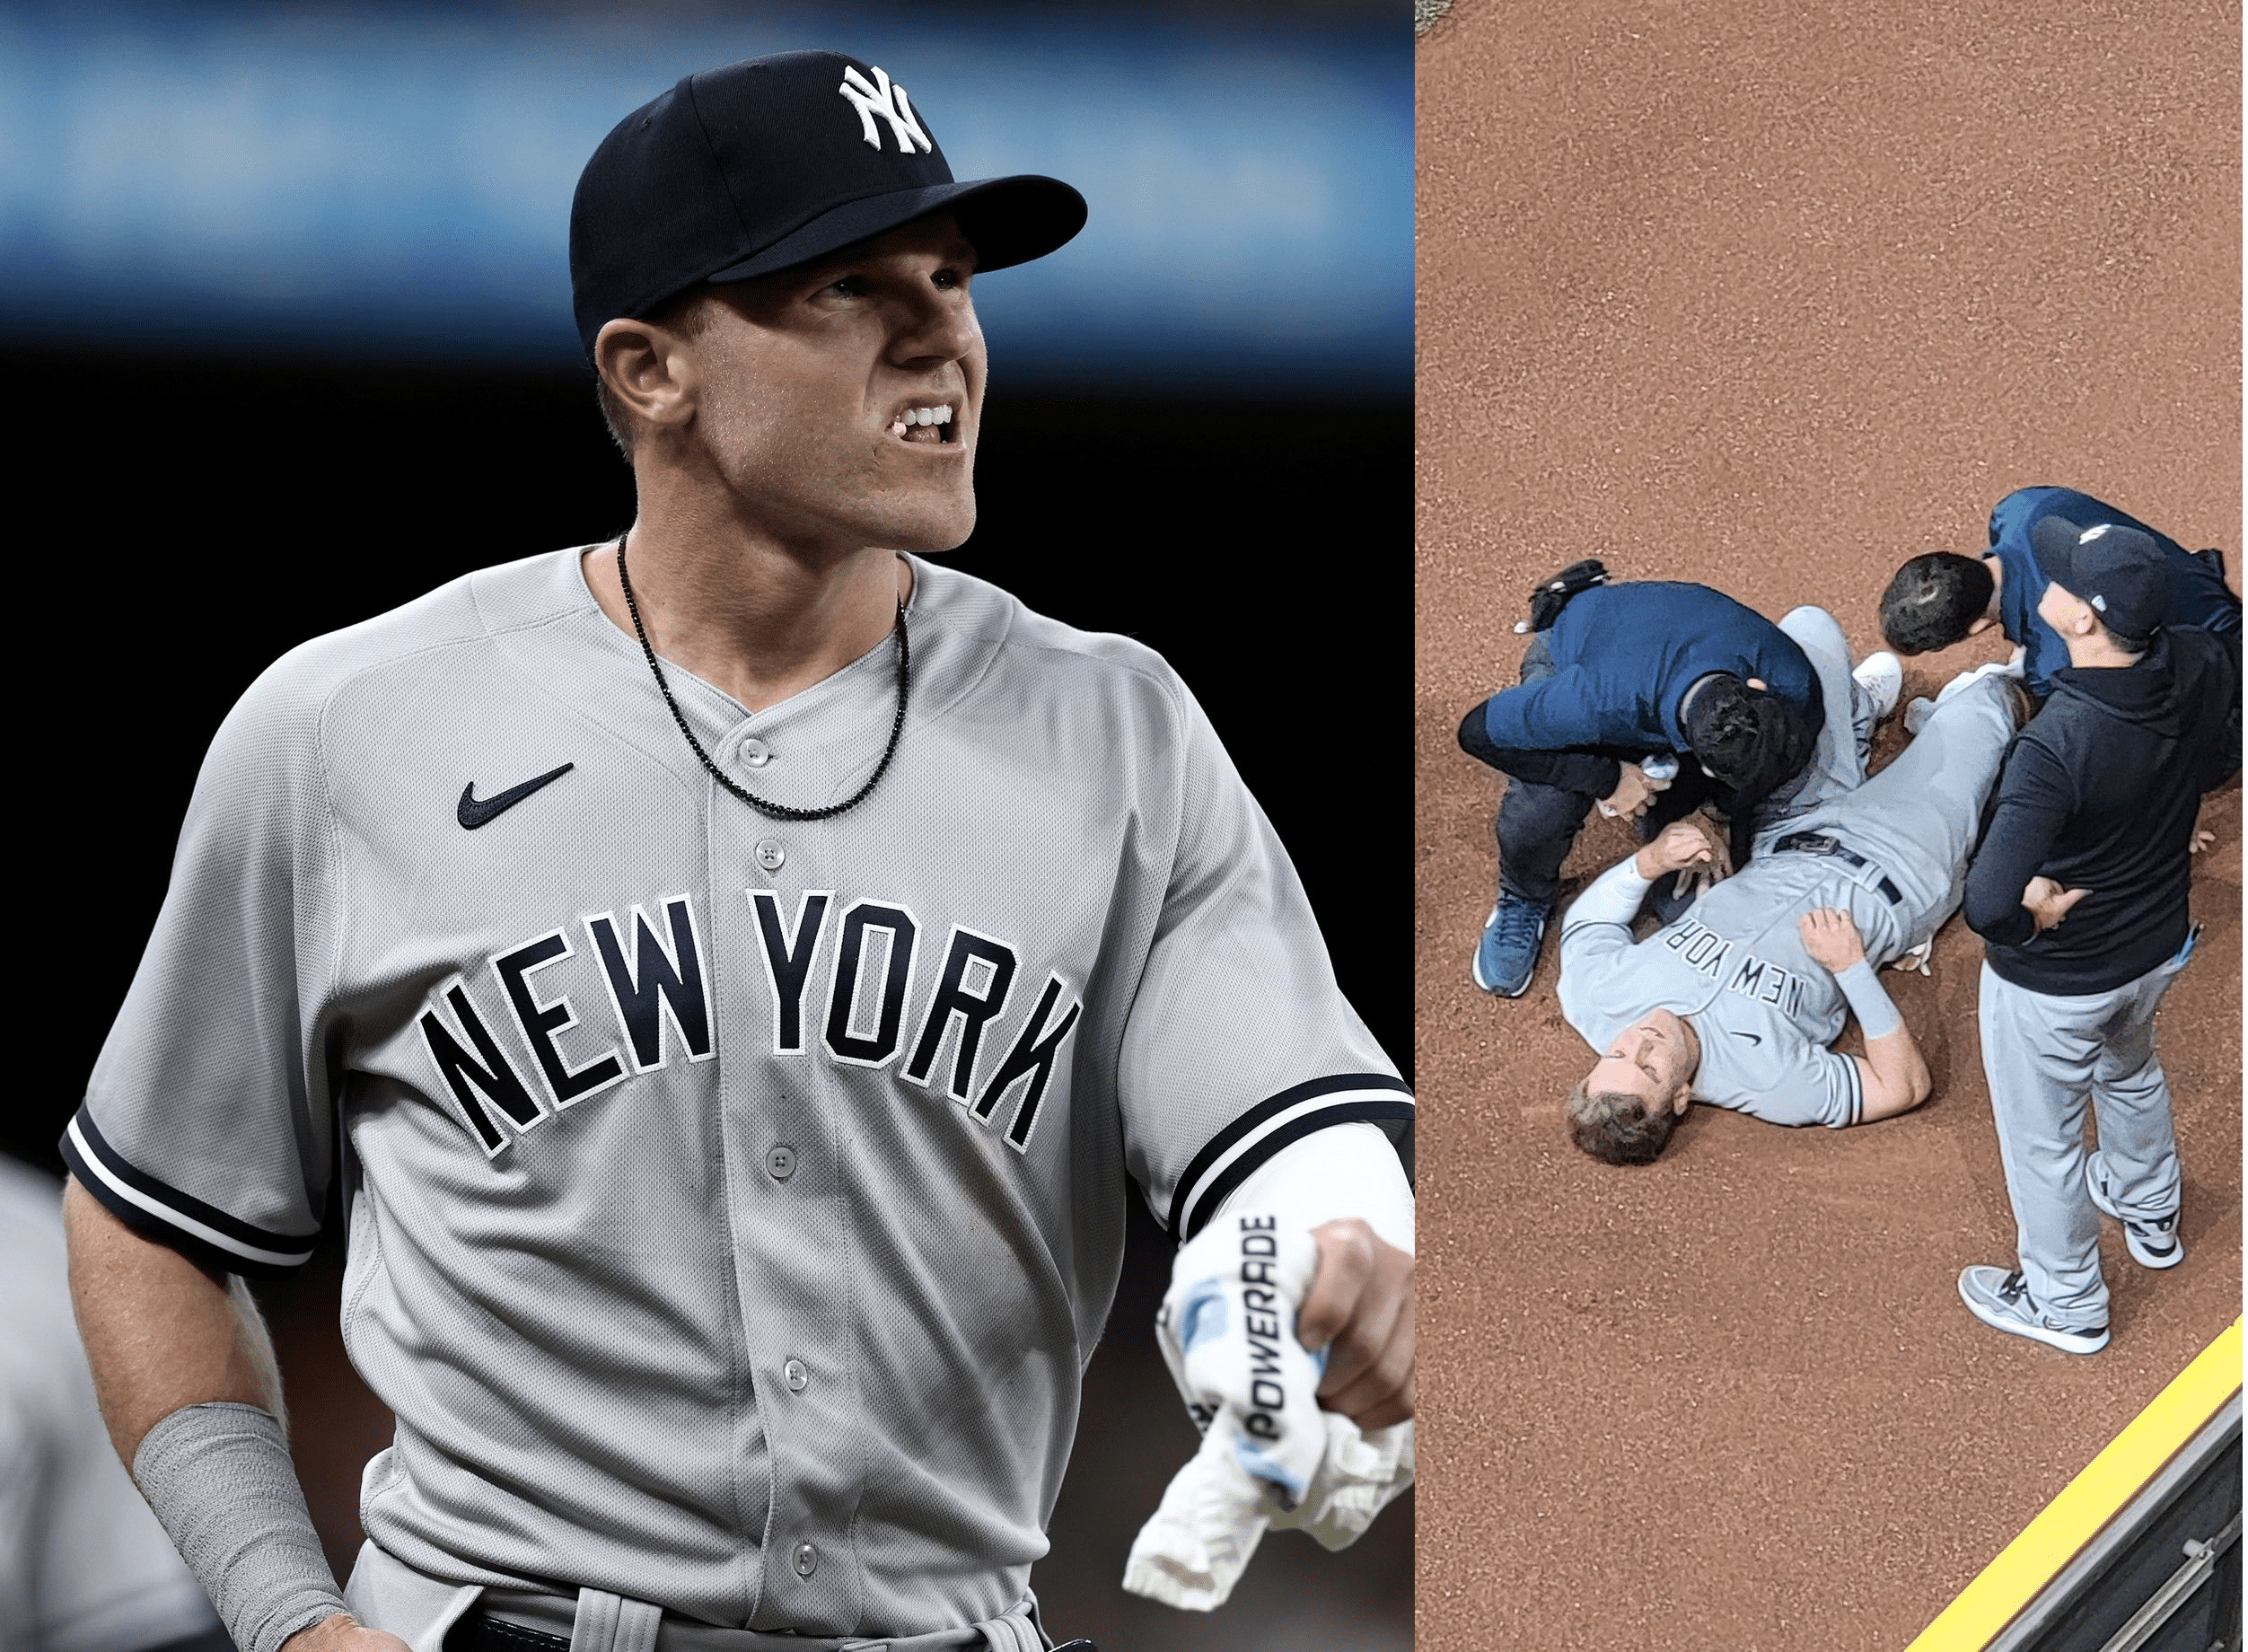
(841, 402)
(1652, 1059)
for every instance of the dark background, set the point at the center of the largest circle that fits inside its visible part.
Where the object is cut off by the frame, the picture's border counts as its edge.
(188, 519)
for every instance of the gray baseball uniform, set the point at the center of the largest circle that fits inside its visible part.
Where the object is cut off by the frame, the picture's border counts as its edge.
(734, 1203)
(1733, 965)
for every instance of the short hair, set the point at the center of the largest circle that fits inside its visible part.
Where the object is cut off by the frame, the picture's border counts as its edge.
(688, 316)
(1617, 1129)
(1753, 743)
(1933, 600)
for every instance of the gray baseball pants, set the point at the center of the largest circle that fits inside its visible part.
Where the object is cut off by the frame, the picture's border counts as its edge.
(2045, 1056)
(1918, 819)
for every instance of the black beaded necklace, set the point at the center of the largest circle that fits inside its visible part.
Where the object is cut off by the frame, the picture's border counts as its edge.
(778, 810)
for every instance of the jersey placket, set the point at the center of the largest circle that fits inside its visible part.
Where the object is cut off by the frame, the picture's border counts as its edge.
(784, 1128)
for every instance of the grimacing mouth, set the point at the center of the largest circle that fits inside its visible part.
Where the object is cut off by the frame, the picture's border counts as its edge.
(936, 418)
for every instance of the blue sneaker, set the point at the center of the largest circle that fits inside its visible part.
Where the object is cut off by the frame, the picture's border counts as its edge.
(2152, 1244)
(1507, 957)
(2001, 1300)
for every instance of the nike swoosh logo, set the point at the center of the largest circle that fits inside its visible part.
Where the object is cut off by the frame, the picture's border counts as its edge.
(1753, 1038)
(473, 814)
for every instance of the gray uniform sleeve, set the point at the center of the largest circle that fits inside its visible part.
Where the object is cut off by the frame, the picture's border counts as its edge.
(1238, 1041)
(1784, 1079)
(207, 1124)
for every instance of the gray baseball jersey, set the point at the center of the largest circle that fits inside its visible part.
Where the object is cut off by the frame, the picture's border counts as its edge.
(734, 1202)
(1733, 964)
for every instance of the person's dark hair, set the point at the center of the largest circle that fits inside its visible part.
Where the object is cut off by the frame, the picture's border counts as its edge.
(1617, 1129)
(1752, 742)
(1933, 600)
(687, 315)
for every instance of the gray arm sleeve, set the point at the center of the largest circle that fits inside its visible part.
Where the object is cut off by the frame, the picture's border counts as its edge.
(220, 1479)
(1877, 1016)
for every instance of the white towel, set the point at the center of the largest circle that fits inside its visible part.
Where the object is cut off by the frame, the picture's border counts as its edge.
(1269, 1456)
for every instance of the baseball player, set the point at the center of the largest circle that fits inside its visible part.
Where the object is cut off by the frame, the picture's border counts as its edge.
(1618, 674)
(1938, 598)
(1736, 1002)
(740, 969)
(2079, 892)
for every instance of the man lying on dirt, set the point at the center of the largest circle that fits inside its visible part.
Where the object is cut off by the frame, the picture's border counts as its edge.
(1735, 1002)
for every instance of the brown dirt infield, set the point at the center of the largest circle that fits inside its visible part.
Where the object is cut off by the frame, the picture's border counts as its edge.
(1771, 297)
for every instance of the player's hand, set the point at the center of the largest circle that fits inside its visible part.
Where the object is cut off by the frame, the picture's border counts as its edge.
(1831, 939)
(1680, 846)
(2047, 903)
(1360, 1306)
(2200, 841)
(1634, 792)
(342, 1632)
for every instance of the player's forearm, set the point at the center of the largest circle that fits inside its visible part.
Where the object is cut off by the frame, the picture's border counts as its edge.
(1901, 1079)
(1615, 897)
(160, 1333)
(185, 1375)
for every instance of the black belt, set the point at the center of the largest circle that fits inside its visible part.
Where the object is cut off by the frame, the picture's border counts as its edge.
(479, 1631)
(1819, 843)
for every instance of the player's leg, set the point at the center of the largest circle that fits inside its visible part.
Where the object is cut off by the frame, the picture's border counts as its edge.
(2134, 1176)
(1918, 819)
(1846, 731)
(2039, 1053)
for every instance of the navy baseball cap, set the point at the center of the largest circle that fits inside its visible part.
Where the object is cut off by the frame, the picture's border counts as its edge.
(771, 162)
(2119, 571)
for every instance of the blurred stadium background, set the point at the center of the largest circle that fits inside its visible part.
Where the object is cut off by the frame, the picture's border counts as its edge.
(284, 312)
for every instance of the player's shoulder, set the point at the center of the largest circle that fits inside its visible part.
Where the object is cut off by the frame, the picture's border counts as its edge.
(468, 613)
(277, 724)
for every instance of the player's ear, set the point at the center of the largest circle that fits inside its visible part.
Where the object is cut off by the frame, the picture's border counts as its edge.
(1682, 1097)
(648, 369)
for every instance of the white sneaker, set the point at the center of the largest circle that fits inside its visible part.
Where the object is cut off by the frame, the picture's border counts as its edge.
(1916, 715)
(1881, 676)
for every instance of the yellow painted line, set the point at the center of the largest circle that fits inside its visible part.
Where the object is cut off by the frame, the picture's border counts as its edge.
(2088, 1502)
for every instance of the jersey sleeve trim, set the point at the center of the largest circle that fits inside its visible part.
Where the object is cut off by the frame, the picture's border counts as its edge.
(1227, 1159)
(200, 1231)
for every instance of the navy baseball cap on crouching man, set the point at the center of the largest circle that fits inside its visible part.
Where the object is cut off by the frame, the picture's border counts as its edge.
(2119, 571)
(770, 163)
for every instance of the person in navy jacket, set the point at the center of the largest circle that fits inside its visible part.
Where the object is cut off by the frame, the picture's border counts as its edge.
(1640, 673)
(1938, 598)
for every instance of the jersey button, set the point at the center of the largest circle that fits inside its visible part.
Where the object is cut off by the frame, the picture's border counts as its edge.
(797, 1374)
(770, 854)
(755, 753)
(807, 1556)
(780, 1163)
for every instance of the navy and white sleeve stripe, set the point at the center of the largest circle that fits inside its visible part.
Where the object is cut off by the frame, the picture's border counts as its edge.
(155, 1210)
(1227, 1159)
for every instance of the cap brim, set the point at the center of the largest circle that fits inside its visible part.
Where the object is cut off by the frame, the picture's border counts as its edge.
(1009, 221)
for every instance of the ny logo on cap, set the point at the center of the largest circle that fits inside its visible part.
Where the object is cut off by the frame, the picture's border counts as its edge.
(889, 101)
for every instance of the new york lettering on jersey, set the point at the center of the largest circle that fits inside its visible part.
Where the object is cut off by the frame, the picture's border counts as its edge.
(838, 978)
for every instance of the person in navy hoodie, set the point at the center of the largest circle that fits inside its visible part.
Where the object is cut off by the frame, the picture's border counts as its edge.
(2080, 894)
(1649, 698)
